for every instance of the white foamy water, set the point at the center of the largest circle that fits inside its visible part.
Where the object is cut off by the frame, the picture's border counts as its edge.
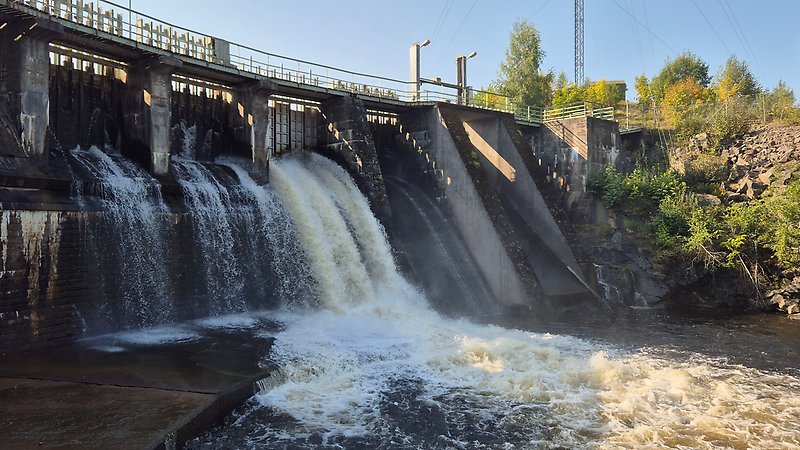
(132, 200)
(229, 321)
(154, 336)
(374, 367)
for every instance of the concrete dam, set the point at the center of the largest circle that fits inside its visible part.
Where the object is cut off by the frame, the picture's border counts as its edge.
(136, 192)
(207, 246)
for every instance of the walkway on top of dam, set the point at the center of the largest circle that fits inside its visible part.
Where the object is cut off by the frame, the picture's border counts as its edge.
(110, 30)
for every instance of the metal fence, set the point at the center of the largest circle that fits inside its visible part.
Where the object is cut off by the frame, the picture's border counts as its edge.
(580, 109)
(142, 30)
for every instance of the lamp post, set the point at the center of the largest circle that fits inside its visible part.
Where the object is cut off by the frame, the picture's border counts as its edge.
(461, 76)
(416, 84)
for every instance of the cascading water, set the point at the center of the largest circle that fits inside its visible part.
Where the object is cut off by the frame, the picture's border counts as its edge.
(213, 210)
(373, 367)
(366, 363)
(239, 251)
(133, 201)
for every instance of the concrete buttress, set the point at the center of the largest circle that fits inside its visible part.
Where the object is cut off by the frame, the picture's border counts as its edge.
(25, 82)
(256, 122)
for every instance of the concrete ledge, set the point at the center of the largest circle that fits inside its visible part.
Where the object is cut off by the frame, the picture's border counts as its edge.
(142, 397)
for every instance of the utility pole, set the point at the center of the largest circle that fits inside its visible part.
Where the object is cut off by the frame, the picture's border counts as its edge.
(461, 77)
(413, 64)
(579, 42)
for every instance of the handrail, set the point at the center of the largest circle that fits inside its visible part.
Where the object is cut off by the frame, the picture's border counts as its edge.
(144, 30)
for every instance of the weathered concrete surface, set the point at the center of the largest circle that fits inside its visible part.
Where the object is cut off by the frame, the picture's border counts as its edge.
(24, 83)
(256, 123)
(149, 115)
(551, 257)
(477, 212)
(350, 142)
(83, 398)
(571, 149)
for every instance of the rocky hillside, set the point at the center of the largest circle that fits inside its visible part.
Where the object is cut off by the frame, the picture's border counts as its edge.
(765, 157)
(759, 164)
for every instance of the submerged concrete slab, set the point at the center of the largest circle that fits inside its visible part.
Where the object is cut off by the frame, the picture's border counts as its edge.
(59, 414)
(100, 394)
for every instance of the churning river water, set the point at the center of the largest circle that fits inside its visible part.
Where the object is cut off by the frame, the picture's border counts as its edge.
(365, 363)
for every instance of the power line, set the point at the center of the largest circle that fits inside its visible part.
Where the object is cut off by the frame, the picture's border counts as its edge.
(735, 31)
(645, 27)
(741, 31)
(710, 25)
(635, 30)
(541, 8)
(441, 21)
(646, 21)
(463, 21)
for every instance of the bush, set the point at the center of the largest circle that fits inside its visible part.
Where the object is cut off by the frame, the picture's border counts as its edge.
(671, 223)
(642, 189)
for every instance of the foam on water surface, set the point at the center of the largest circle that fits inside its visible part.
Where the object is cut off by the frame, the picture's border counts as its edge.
(377, 368)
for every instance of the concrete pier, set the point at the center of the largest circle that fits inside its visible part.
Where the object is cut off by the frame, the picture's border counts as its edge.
(149, 116)
(25, 82)
(98, 394)
(255, 122)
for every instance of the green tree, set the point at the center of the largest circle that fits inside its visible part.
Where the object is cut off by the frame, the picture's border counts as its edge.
(602, 93)
(520, 76)
(685, 66)
(735, 79)
(567, 94)
(781, 101)
(643, 89)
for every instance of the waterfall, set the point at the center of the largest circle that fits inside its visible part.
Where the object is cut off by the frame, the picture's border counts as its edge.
(364, 361)
(213, 212)
(340, 274)
(373, 366)
(231, 246)
(285, 257)
(133, 201)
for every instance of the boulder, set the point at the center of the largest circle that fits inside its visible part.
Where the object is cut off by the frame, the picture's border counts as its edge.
(766, 177)
(707, 200)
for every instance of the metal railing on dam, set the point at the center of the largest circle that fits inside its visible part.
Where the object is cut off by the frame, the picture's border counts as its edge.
(117, 25)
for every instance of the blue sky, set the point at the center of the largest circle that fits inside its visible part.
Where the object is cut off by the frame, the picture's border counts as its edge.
(624, 38)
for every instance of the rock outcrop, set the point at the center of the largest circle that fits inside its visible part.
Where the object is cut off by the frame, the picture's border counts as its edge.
(765, 157)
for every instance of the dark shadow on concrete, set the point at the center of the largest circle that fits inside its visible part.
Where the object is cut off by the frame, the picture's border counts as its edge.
(439, 260)
(108, 392)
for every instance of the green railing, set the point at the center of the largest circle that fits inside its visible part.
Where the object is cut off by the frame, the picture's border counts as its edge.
(140, 30)
(574, 110)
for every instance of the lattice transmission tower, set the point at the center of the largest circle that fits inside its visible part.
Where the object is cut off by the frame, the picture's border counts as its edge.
(578, 41)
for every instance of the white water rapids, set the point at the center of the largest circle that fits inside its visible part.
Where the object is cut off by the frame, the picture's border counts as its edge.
(365, 363)
(374, 367)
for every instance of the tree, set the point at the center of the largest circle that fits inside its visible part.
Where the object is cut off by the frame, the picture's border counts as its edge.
(567, 94)
(643, 90)
(685, 66)
(781, 102)
(735, 79)
(520, 77)
(489, 97)
(602, 93)
(683, 105)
